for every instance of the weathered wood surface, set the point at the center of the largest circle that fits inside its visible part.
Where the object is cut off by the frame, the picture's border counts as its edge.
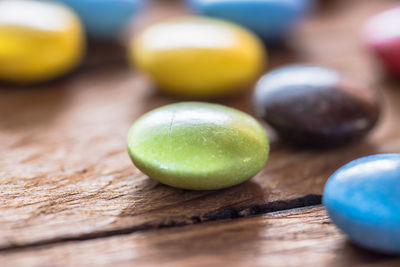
(64, 169)
(299, 238)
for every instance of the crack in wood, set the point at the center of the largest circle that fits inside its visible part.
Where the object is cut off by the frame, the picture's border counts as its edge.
(177, 221)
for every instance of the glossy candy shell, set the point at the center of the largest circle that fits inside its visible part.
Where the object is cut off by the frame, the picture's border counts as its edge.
(198, 57)
(105, 19)
(271, 20)
(39, 41)
(383, 38)
(198, 146)
(316, 106)
(363, 200)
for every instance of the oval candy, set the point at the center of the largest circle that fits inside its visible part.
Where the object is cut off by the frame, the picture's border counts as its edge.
(105, 19)
(271, 20)
(316, 106)
(383, 38)
(363, 200)
(198, 57)
(199, 146)
(39, 41)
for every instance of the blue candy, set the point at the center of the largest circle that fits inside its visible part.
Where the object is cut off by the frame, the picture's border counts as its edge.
(104, 19)
(272, 20)
(363, 200)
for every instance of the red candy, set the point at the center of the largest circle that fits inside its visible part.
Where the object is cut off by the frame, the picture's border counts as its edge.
(383, 38)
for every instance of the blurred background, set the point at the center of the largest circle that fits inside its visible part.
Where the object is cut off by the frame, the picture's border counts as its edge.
(70, 89)
(105, 85)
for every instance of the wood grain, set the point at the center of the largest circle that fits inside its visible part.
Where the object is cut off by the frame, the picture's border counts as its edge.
(298, 238)
(64, 168)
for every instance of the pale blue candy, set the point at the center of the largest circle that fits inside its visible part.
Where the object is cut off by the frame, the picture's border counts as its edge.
(104, 19)
(272, 20)
(363, 200)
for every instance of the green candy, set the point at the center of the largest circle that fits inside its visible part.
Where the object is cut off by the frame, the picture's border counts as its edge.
(199, 146)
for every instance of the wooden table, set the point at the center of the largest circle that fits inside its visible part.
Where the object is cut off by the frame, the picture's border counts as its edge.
(70, 195)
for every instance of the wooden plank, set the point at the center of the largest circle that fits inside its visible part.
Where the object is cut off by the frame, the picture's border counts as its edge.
(299, 238)
(64, 168)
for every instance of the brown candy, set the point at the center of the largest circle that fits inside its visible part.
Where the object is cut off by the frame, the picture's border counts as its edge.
(315, 106)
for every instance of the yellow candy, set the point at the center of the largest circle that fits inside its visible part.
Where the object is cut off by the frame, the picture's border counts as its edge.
(198, 57)
(38, 41)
